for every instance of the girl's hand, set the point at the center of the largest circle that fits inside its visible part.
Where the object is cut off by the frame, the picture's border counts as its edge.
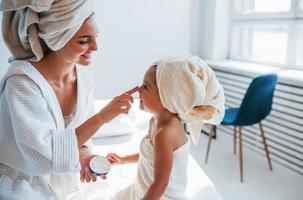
(114, 158)
(120, 104)
(85, 173)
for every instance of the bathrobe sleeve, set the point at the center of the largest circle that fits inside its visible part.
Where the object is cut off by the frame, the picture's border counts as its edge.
(42, 148)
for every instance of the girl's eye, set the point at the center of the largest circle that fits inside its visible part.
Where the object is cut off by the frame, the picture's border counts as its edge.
(144, 87)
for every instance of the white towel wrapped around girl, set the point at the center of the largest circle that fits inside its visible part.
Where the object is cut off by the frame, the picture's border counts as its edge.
(176, 91)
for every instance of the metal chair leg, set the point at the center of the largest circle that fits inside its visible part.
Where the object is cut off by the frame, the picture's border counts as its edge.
(210, 135)
(241, 154)
(265, 146)
(235, 140)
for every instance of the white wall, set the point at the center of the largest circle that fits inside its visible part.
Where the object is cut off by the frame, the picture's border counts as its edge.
(210, 28)
(195, 21)
(201, 22)
(133, 34)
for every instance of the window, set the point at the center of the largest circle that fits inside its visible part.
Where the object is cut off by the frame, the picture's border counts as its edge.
(300, 46)
(301, 7)
(261, 6)
(268, 32)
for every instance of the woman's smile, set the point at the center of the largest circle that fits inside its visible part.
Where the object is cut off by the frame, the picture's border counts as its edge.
(87, 55)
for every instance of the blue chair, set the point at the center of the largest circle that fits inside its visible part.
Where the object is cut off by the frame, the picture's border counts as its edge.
(256, 106)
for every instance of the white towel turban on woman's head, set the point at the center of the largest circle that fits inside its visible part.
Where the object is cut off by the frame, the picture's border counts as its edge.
(29, 25)
(189, 87)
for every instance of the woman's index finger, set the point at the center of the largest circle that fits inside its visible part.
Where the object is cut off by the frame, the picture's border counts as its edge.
(132, 91)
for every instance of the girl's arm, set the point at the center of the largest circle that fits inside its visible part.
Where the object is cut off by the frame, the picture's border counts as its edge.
(163, 161)
(133, 158)
(116, 159)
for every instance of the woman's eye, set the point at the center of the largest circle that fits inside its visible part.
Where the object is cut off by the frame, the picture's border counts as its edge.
(144, 87)
(83, 41)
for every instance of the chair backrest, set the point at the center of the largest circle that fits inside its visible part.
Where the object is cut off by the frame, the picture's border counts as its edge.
(257, 102)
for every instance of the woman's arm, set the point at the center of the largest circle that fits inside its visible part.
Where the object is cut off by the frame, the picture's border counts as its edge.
(163, 161)
(120, 104)
(88, 128)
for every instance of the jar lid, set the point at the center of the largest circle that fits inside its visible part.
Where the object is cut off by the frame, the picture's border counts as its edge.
(99, 165)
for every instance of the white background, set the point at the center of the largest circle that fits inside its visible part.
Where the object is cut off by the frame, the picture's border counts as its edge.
(135, 33)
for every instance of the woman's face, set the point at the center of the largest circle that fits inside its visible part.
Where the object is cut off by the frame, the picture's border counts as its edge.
(80, 47)
(149, 95)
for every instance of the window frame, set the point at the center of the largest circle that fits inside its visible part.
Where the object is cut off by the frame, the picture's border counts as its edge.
(293, 19)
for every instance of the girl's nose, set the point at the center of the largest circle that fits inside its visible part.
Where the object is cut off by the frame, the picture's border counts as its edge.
(140, 89)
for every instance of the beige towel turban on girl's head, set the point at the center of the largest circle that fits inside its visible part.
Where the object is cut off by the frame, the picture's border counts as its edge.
(26, 22)
(188, 87)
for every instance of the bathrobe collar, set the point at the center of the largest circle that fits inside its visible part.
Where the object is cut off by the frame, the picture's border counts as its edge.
(27, 69)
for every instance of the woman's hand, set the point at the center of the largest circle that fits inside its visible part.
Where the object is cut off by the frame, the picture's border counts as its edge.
(85, 173)
(120, 104)
(114, 159)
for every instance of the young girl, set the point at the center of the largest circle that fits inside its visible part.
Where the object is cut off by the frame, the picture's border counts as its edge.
(175, 91)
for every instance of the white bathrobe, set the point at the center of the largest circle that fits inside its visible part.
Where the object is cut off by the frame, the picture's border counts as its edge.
(39, 157)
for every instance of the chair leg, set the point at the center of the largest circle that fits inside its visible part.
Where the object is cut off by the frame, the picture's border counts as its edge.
(235, 140)
(210, 135)
(241, 154)
(265, 146)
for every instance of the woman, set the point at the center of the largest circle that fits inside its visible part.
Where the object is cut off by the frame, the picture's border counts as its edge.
(45, 99)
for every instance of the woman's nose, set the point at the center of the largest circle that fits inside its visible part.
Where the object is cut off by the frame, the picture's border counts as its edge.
(94, 45)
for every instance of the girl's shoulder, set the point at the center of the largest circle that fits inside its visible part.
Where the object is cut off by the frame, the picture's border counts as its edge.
(171, 134)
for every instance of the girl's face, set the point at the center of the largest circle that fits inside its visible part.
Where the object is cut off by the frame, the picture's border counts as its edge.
(80, 47)
(149, 95)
